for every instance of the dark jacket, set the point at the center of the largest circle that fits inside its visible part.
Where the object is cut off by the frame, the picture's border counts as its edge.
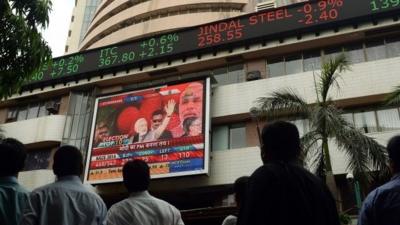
(286, 194)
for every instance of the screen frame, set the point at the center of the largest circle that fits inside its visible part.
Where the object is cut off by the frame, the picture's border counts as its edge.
(206, 129)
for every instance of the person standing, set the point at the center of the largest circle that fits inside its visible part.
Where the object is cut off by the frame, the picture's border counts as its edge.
(13, 196)
(382, 205)
(140, 207)
(66, 201)
(281, 192)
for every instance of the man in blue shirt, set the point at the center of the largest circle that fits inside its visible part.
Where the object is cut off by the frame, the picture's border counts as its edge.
(66, 201)
(382, 206)
(13, 197)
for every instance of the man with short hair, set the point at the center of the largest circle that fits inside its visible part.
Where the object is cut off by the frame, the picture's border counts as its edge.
(157, 118)
(281, 192)
(66, 201)
(141, 208)
(13, 197)
(382, 205)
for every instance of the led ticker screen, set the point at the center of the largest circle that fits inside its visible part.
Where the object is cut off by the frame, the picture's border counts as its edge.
(260, 25)
(164, 126)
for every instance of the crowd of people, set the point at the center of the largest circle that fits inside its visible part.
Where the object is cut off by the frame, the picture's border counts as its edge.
(280, 192)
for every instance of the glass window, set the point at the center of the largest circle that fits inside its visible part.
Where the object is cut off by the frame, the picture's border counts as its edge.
(393, 46)
(229, 75)
(220, 138)
(388, 119)
(22, 113)
(355, 53)
(275, 67)
(294, 64)
(348, 117)
(33, 111)
(312, 61)
(42, 110)
(237, 136)
(375, 50)
(365, 121)
(332, 53)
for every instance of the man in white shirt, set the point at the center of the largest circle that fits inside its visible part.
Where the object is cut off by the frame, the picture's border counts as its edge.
(66, 201)
(140, 208)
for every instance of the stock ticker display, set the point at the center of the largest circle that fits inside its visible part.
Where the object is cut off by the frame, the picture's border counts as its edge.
(259, 25)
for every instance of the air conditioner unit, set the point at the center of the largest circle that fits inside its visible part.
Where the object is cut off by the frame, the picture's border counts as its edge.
(52, 107)
(253, 75)
(265, 5)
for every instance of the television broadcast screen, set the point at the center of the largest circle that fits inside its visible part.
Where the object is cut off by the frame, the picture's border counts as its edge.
(165, 126)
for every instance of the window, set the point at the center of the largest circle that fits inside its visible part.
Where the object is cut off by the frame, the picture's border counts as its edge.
(37, 160)
(365, 121)
(33, 110)
(332, 53)
(355, 53)
(276, 67)
(294, 64)
(312, 61)
(393, 46)
(375, 50)
(230, 74)
(388, 119)
(229, 136)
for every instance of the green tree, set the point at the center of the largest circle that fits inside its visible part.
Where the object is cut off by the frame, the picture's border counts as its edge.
(22, 48)
(394, 97)
(326, 123)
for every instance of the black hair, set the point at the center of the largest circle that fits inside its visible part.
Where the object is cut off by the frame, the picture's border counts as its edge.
(281, 142)
(68, 160)
(136, 175)
(13, 155)
(187, 123)
(393, 148)
(240, 189)
(157, 112)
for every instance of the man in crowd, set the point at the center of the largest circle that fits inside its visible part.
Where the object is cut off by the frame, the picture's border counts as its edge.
(66, 201)
(13, 197)
(141, 208)
(240, 189)
(281, 192)
(382, 206)
(156, 120)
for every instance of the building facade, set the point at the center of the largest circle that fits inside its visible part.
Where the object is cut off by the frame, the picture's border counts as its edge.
(49, 114)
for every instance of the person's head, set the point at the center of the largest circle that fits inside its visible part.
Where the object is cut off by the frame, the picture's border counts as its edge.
(67, 161)
(393, 148)
(280, 141)
(136, 175)
(102, 130)
(191, 101)
(141, 126)
(13, 155)
(156, 119)
(240, 188)
(192, 126)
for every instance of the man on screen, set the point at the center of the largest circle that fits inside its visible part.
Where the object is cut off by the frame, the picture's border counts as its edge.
(191, 102)
(156, 120)
(101, 131)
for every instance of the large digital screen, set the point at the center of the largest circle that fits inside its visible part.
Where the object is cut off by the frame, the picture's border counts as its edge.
(165, 126)
(270, 23)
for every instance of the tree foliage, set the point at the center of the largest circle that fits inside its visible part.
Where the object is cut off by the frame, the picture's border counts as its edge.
(326, 124)
(394, 97)
(22, 48)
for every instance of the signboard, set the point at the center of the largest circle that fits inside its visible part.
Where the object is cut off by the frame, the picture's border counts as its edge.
(260, 25)
(165, 126)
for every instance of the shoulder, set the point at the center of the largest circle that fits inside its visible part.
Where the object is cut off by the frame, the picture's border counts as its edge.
(163, 203)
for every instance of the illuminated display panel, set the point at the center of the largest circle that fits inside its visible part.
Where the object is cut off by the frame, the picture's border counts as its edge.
(269, 23)
(165, 126)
